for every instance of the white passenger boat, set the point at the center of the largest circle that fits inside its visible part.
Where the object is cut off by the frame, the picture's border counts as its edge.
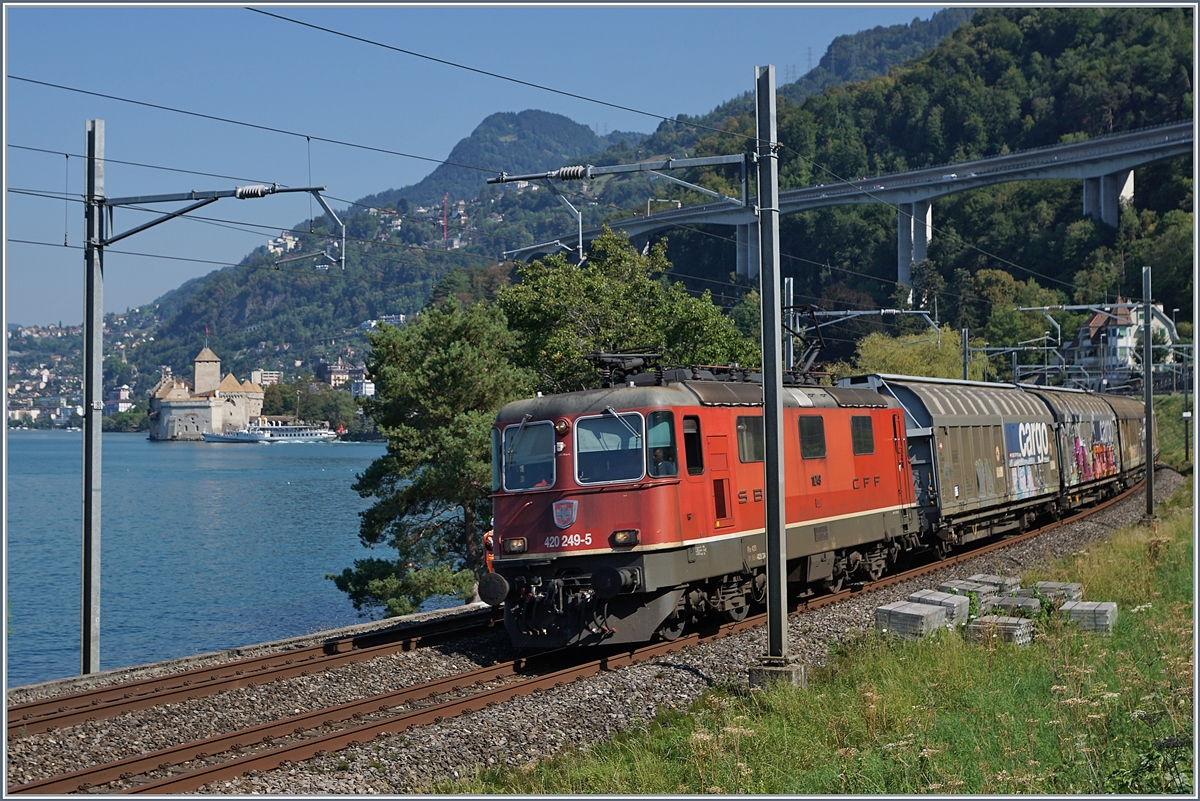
(275, 431)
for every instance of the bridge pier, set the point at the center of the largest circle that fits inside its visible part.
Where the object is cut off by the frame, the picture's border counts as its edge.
(747, 251)
(1102, 196)
(914, 225)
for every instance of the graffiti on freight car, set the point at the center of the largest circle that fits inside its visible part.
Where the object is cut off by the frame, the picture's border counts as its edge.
(1027, 481)
(985, 485)
(1092, 445)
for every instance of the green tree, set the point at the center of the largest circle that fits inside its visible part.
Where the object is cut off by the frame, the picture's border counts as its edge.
(136, 419)
(747, 316)
(397, 589)
(915, 354)
(117, 372)
(616, 300)
(336, 406)
(439, 381)
(272, 400)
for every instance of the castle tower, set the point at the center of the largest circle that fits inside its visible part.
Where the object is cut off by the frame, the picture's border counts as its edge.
(207, 372)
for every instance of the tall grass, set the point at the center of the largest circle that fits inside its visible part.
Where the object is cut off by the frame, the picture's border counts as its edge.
(1075, 712)
(1168, 411)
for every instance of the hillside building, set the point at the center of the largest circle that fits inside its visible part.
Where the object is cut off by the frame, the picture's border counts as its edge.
(1107, 350)
(209, 404)
(335, 373)
(119, 400)
(286, 243)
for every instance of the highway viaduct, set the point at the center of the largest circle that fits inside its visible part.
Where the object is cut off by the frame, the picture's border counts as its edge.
(1104, 164)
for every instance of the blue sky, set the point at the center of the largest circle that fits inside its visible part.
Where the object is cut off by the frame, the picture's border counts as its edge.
(235, 63)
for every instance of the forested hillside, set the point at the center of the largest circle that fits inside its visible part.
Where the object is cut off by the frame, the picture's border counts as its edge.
(864, 55)
(266, 314)
(1005, 80)
(261, 314)
(1009, 79)
(850, 57)
(516, 143)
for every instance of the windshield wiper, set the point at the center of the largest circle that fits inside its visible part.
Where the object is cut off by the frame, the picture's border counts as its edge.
(517, 437)
(624, 422)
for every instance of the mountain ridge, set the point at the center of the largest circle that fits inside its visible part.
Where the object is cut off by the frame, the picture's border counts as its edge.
(670, 139)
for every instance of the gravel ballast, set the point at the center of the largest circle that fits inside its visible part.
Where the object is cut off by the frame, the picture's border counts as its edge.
(579, 715)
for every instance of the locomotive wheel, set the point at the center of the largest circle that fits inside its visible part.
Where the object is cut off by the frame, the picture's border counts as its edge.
(875, 574)
(671, 629)
(835, 585)
(942, 550)
(737, 614)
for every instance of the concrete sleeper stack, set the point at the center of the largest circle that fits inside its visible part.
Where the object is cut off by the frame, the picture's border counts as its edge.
(1097, 616)
(1001, 583)
(909, 621)
(1017, 630)
(958, 607)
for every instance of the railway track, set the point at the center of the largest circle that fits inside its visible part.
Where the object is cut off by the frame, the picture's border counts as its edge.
(105, 702)
(187, 767)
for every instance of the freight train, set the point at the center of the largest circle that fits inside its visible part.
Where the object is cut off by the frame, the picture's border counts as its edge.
(628, 512)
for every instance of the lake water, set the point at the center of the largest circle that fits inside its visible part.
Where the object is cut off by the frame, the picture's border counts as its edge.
(204, 546)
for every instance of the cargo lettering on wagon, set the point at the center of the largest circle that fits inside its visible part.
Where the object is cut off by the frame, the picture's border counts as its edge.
(1027, 443)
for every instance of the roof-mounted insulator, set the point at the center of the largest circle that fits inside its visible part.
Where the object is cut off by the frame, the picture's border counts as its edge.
(254, 190)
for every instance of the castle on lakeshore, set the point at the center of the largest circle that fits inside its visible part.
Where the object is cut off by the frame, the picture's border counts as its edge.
(209, 404)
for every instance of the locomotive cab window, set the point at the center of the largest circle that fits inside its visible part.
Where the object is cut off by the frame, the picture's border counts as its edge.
(609, 448)
(663, 461)
(862, 435)
(527, 454)
(812, 437)
(750, 439)
(692, 448)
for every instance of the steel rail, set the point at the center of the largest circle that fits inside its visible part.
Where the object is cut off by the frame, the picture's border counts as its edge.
(106, 702)
(269, 758)
(96, 775)
(335, 741)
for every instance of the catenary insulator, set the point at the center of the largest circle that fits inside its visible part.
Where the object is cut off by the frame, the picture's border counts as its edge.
(572, 173)
(255, 190)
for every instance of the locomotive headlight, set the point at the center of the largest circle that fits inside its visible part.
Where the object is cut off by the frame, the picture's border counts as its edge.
(561, 427)
(514, 545)
(624, 536)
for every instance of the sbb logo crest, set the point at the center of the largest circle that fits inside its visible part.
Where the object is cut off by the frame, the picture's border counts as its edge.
(565, 513)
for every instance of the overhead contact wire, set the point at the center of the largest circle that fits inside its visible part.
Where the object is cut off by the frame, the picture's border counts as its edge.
(256, 126)
(498, 76)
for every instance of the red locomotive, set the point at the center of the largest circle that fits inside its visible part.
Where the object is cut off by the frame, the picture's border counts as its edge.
(629, 511)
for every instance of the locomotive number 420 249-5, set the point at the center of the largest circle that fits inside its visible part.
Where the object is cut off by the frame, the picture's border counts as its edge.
(567, 540)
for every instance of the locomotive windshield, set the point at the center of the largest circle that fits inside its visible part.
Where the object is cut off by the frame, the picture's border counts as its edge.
(609, 448)
(528, 456)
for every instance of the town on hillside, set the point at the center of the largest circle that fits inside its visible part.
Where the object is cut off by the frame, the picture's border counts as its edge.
(45, 385)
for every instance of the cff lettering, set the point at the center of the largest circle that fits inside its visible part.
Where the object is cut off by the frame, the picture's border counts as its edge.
(1026, 443)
